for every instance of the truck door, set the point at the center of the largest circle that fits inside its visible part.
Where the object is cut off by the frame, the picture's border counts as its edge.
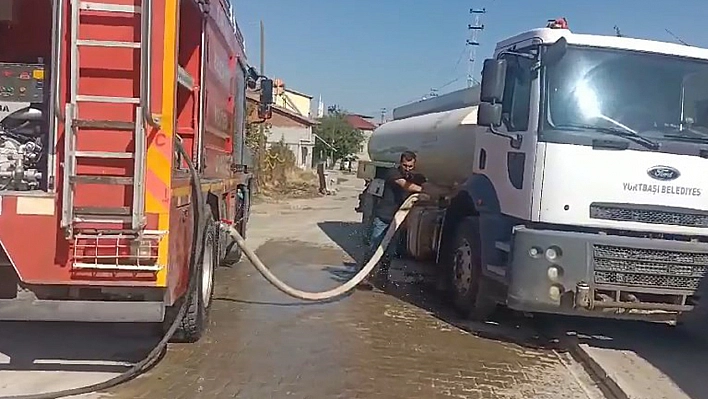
(510, 169)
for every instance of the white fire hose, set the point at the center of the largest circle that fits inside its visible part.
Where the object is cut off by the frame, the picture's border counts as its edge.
(397, 222)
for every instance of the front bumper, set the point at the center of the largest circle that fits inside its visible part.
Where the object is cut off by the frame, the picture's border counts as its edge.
(566, 272)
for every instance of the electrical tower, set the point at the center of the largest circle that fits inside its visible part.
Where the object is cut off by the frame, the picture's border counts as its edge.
(473, 42)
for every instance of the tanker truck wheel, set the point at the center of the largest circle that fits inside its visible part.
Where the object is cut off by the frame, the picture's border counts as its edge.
(468, 289)
(196, 318)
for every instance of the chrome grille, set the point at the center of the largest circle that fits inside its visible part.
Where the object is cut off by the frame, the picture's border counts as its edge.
(650, 268)
(627, 214)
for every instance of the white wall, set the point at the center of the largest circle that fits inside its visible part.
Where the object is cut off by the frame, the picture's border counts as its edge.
(299, 139)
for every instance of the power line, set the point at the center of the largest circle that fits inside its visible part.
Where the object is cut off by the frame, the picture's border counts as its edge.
(676, 37)
(448, 83)
(459, 58)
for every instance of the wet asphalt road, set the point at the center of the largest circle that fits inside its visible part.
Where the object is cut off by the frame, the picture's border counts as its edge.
(368, 345)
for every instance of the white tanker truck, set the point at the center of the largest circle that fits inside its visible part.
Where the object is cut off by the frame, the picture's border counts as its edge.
(581, 161)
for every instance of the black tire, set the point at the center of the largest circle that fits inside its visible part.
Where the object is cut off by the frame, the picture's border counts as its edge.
(234, 253)
(196, 318)
(367, 217)
(469, 290)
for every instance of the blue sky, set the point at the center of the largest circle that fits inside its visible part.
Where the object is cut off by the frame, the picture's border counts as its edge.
(369, 54)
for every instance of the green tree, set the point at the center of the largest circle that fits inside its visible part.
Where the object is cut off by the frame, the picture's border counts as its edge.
(343, 139)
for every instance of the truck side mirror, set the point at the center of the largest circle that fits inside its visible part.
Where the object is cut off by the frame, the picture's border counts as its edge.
(493, 76)
(266, 91)
(489, 115)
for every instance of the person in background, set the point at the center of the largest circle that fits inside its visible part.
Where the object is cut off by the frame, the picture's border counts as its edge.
(399, 184)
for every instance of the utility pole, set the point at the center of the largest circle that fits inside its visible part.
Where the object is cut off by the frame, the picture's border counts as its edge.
(262, 48)
(473, 42)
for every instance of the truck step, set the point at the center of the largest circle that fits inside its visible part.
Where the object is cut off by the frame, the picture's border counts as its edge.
(107, 43)
(87, 214)
(503, 246)
(97, 210)
(107, 180)
(107, 99)
(108, 267)
(104, 7)
(114, 244)
(106, 219)
(103, 154)
(103, 124)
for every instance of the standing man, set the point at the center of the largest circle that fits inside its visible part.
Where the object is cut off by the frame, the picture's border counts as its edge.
(399, 184)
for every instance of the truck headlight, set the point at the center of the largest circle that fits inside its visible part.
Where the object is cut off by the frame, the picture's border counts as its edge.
(553, 253)
(534, 252)
(554, 273)
(555, 292)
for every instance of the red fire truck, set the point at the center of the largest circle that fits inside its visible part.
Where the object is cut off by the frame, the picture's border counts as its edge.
(97, 214)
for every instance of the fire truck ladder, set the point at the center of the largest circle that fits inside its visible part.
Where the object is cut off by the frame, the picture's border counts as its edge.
(135, 213)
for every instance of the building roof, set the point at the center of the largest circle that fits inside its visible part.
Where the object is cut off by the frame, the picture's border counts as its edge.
(254, 97)
(299, 93)
(357, 122)
(364, 116)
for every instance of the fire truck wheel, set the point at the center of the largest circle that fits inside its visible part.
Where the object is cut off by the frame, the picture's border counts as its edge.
(196, 318)
(468, 288)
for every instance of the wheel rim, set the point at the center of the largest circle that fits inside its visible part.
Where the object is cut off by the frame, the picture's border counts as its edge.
(463, 267)
(207, 271)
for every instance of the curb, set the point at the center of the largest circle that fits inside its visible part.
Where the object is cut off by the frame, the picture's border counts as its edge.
(608, 385)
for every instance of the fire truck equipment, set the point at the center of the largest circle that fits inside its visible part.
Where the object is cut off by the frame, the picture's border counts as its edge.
(23, 133)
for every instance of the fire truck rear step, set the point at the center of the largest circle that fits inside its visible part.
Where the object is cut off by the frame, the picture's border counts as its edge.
(107, 251)
(94, 179)
(107, 99)
(91, 6)
(87, 214)
(103, 125)
(103, 154)
(134, 268)
(107, 43)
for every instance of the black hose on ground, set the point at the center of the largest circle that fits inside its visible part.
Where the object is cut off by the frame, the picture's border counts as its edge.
(156, 353)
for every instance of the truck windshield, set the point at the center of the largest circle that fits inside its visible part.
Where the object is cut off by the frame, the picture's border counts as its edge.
(591, 91)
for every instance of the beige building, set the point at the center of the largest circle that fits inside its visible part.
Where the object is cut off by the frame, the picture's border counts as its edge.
(294, 101)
